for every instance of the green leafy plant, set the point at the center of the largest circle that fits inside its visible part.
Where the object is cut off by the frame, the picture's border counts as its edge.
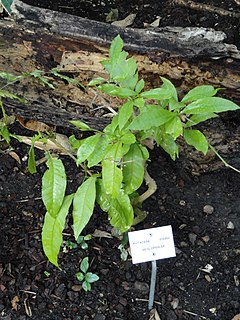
(10, 79)
(6, 120)
(114, 160)
(81, 241)
(86, 277)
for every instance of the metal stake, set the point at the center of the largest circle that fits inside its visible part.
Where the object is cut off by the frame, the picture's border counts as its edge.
(152, 284)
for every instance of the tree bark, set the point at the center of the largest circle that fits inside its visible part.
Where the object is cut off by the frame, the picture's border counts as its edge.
(41, 39)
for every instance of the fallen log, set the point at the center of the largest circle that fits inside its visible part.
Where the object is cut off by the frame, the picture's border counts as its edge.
(38, 38)
(41, 39)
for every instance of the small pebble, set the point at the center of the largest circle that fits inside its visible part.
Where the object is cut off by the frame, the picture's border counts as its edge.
(60, 291)
(171, 315)
(99, 316)
(175, 303)
(182, 203)
(192, 238)
(183, 244)
(142, 287)
(76, 287)
(230, 225)
(208, 209)
(206, 239)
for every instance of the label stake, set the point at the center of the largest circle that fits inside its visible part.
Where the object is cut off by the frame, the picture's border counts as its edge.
(152, 284)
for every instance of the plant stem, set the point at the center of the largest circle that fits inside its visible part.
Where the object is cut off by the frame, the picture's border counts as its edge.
(221, 158)
(152, 187)
(152, 284)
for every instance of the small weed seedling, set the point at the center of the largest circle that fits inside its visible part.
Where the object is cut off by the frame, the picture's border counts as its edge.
(86, 277)
(81, 241)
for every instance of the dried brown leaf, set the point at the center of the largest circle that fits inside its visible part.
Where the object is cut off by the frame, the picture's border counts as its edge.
(15, 156)
(101, 234)
(125, 22)
(33, 125)
(153, 315)
(14, 302)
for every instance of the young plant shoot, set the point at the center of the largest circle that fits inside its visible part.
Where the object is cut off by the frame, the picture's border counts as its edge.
(115, 158)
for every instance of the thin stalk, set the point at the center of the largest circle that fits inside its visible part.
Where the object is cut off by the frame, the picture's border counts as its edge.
(152, 187)
(152, 284)
(221, 158)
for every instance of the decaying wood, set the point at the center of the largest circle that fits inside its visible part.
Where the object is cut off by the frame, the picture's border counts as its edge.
(41, 39)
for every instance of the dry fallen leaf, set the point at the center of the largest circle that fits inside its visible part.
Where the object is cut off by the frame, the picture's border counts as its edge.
(15, 156)
(59, 144)
(101, 234)
(14, 302)
(237, 317)
(153, 315)
(125, 22)
(33, 125)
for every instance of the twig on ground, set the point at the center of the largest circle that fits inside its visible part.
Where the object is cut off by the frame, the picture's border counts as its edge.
(205, 7)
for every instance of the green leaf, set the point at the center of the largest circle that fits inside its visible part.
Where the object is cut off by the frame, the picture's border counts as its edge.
(75, 143)
(80, 276)
(52, 231)
(130, 82)
(53, 186)
(5, 133)
(157, 94)
(200, 92)
(31, 160)
(87, 147)
(140, 103)
(102, 198)
(131, 67)
(116, 48)
(196, 139)
(152, 117)
(87, 237)
(174, 127)
(84, 245)
(210, 105)
(96, 81)
(121, 212)
(38, 74)
(84, 265)
(169, 87)
(111, 174)
(139, 86)
(80, 125)
(83, 205)
(69, 80)
(133, 169)
(198, 118)
(9, 76)
(91, 277)
(115, 91)
(111, 128)
(7, 94)
(124, 114)
(86, 286)
(128, 138)
(99, 152)
(7, 5)
(166, 142)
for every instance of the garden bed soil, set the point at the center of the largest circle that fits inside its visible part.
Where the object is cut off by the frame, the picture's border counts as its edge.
(202, 207)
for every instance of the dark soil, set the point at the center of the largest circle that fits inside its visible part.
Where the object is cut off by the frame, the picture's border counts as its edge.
(30, 287)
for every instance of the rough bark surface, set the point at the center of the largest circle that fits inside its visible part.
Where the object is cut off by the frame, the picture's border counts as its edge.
(41, 39)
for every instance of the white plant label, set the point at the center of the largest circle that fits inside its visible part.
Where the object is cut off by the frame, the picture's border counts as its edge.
(152, 244)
